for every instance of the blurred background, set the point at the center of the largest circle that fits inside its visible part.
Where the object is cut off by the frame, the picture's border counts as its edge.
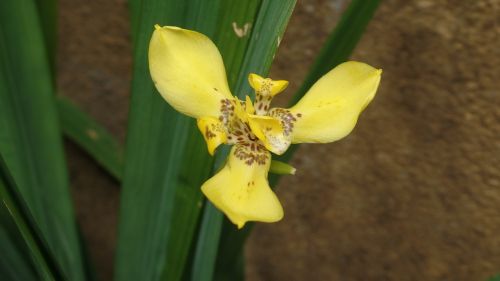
(412, 194)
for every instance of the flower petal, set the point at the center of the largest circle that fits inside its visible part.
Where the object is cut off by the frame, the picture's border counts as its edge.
(249, 106)
(241, 189)
(266, 86)
(212, 130)
(330, 109)
(270, 131)
(188, 71)
(265, 90)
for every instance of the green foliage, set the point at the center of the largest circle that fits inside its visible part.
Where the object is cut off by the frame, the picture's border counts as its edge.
(47, 12)
(30, 139)
(495, 278)
(17, 222)
(157, 190)
(91, 136)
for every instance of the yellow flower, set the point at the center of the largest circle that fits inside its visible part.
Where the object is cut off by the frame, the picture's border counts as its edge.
(188, 71)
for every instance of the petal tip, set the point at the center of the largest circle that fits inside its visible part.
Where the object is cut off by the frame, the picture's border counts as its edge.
(255, 81)
(279, 86)
(157, 26)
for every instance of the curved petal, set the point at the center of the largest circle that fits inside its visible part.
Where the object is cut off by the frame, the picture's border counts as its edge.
(270, 131)
(330, 109)
(188, 71)
(213, 132)
(241, 189)
(266, 86)
(265, 90)
(249, 106)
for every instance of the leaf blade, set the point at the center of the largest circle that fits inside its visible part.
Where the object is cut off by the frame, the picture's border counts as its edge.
(16, 219)
(29, 132)
(91, 136)
(147, 146)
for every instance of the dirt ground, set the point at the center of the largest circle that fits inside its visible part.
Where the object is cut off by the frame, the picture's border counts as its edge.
(412, 194)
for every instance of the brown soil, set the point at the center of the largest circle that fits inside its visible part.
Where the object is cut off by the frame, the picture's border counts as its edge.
(412, 194)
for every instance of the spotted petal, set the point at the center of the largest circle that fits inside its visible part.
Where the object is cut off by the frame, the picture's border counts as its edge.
(330, 109)
(213, 132)
(188, 71)
(270, 131)
(265, 90)
(241, 189)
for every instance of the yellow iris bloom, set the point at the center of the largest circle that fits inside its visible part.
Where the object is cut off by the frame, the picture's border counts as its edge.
(189, 73)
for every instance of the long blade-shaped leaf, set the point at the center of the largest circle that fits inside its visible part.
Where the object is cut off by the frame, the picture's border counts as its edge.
(194, 166)
(205, 250)
(47, 11)
(153, 175)
(16, 221)
(29, 134)
(13, 265)
(268, 29)
(338, 47)
(207, 244)
(135, 16)
(91, 136)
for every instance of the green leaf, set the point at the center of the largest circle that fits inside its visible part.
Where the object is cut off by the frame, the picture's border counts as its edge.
(235, 16)
(162, 177)
(135, 15)
(91, 136)
(16, 221)
(233, 46)
(495, 278)
(338, 47)
(205, 250)
(47, 11)
(267, 32)
(30, 138)
(208, 242)
(14, 261)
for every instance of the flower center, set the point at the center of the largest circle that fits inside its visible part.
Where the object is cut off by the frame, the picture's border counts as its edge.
(235, 121)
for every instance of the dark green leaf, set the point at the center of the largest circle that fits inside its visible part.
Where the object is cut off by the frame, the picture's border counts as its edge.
(162, 176)
(495, 278)
(30, 138)
(16, 221)
(14, 261)
(205, 251)
(91, 136)
(47, 11)
(208, 242)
